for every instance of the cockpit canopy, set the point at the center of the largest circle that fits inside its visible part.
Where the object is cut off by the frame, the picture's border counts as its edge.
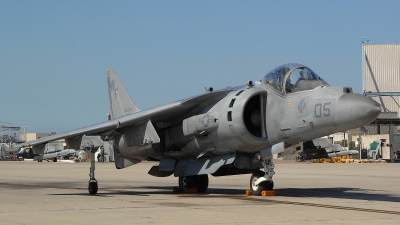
(24, 150)
(293, 77)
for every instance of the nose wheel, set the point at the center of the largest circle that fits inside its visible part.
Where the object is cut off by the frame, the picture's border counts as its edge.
(262, 180)
(257, 188)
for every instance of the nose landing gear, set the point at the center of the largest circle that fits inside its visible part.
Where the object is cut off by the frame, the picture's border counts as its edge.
(260, 180)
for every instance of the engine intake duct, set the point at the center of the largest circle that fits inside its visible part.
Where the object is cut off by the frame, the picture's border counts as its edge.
(254, 116)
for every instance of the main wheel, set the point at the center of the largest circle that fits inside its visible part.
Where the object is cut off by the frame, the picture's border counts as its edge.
(198, 181)
(202, 183)
(92, 187)
(257, 189)
(184, 182)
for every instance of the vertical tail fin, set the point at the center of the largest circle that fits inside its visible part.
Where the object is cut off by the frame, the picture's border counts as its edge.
(120, 102)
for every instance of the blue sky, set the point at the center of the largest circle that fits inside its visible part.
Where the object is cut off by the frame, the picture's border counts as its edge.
(54, 54)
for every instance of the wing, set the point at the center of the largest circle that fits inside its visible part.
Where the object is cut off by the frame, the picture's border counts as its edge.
(163, 113)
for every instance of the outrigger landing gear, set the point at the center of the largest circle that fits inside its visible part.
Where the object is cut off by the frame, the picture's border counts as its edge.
(260, 180)
(93, 187)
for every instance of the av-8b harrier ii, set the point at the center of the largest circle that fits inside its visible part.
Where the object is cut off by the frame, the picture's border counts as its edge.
(223, 132)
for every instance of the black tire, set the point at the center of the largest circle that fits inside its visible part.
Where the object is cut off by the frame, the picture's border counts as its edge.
(55, 159)
(93, 187)
(257, 189)
(187, 182)
(183, 182)
(198, 181)
(394, 158)
(202, 183)
(270, 185)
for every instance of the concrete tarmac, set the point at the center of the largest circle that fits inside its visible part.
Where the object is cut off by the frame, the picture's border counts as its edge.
(307, 193)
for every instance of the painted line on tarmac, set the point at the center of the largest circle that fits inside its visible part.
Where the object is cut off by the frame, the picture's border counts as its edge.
(264, 200)
(326, 206)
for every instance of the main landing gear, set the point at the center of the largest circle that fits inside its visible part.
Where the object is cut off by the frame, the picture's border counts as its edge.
(260, 180)
(93, 187)
(198, 181)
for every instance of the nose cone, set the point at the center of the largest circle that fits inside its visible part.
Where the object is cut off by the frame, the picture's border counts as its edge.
(354, 110)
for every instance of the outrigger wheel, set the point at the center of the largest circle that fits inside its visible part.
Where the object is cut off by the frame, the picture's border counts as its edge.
(93, 187)
(265, 185)
(198, 181)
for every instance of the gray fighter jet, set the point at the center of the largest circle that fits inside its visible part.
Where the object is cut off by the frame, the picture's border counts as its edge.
(223, 132)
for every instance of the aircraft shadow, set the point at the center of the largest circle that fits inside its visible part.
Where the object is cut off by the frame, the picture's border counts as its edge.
(339, 193)
(110, 191)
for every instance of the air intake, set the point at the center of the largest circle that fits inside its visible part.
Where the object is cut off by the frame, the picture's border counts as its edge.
(253, 116)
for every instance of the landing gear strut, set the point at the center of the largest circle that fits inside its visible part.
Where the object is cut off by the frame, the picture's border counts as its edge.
(260, 180)
(198, 181)
(93, 187)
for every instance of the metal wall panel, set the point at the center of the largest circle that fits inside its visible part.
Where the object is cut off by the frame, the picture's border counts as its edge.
(381, 73)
